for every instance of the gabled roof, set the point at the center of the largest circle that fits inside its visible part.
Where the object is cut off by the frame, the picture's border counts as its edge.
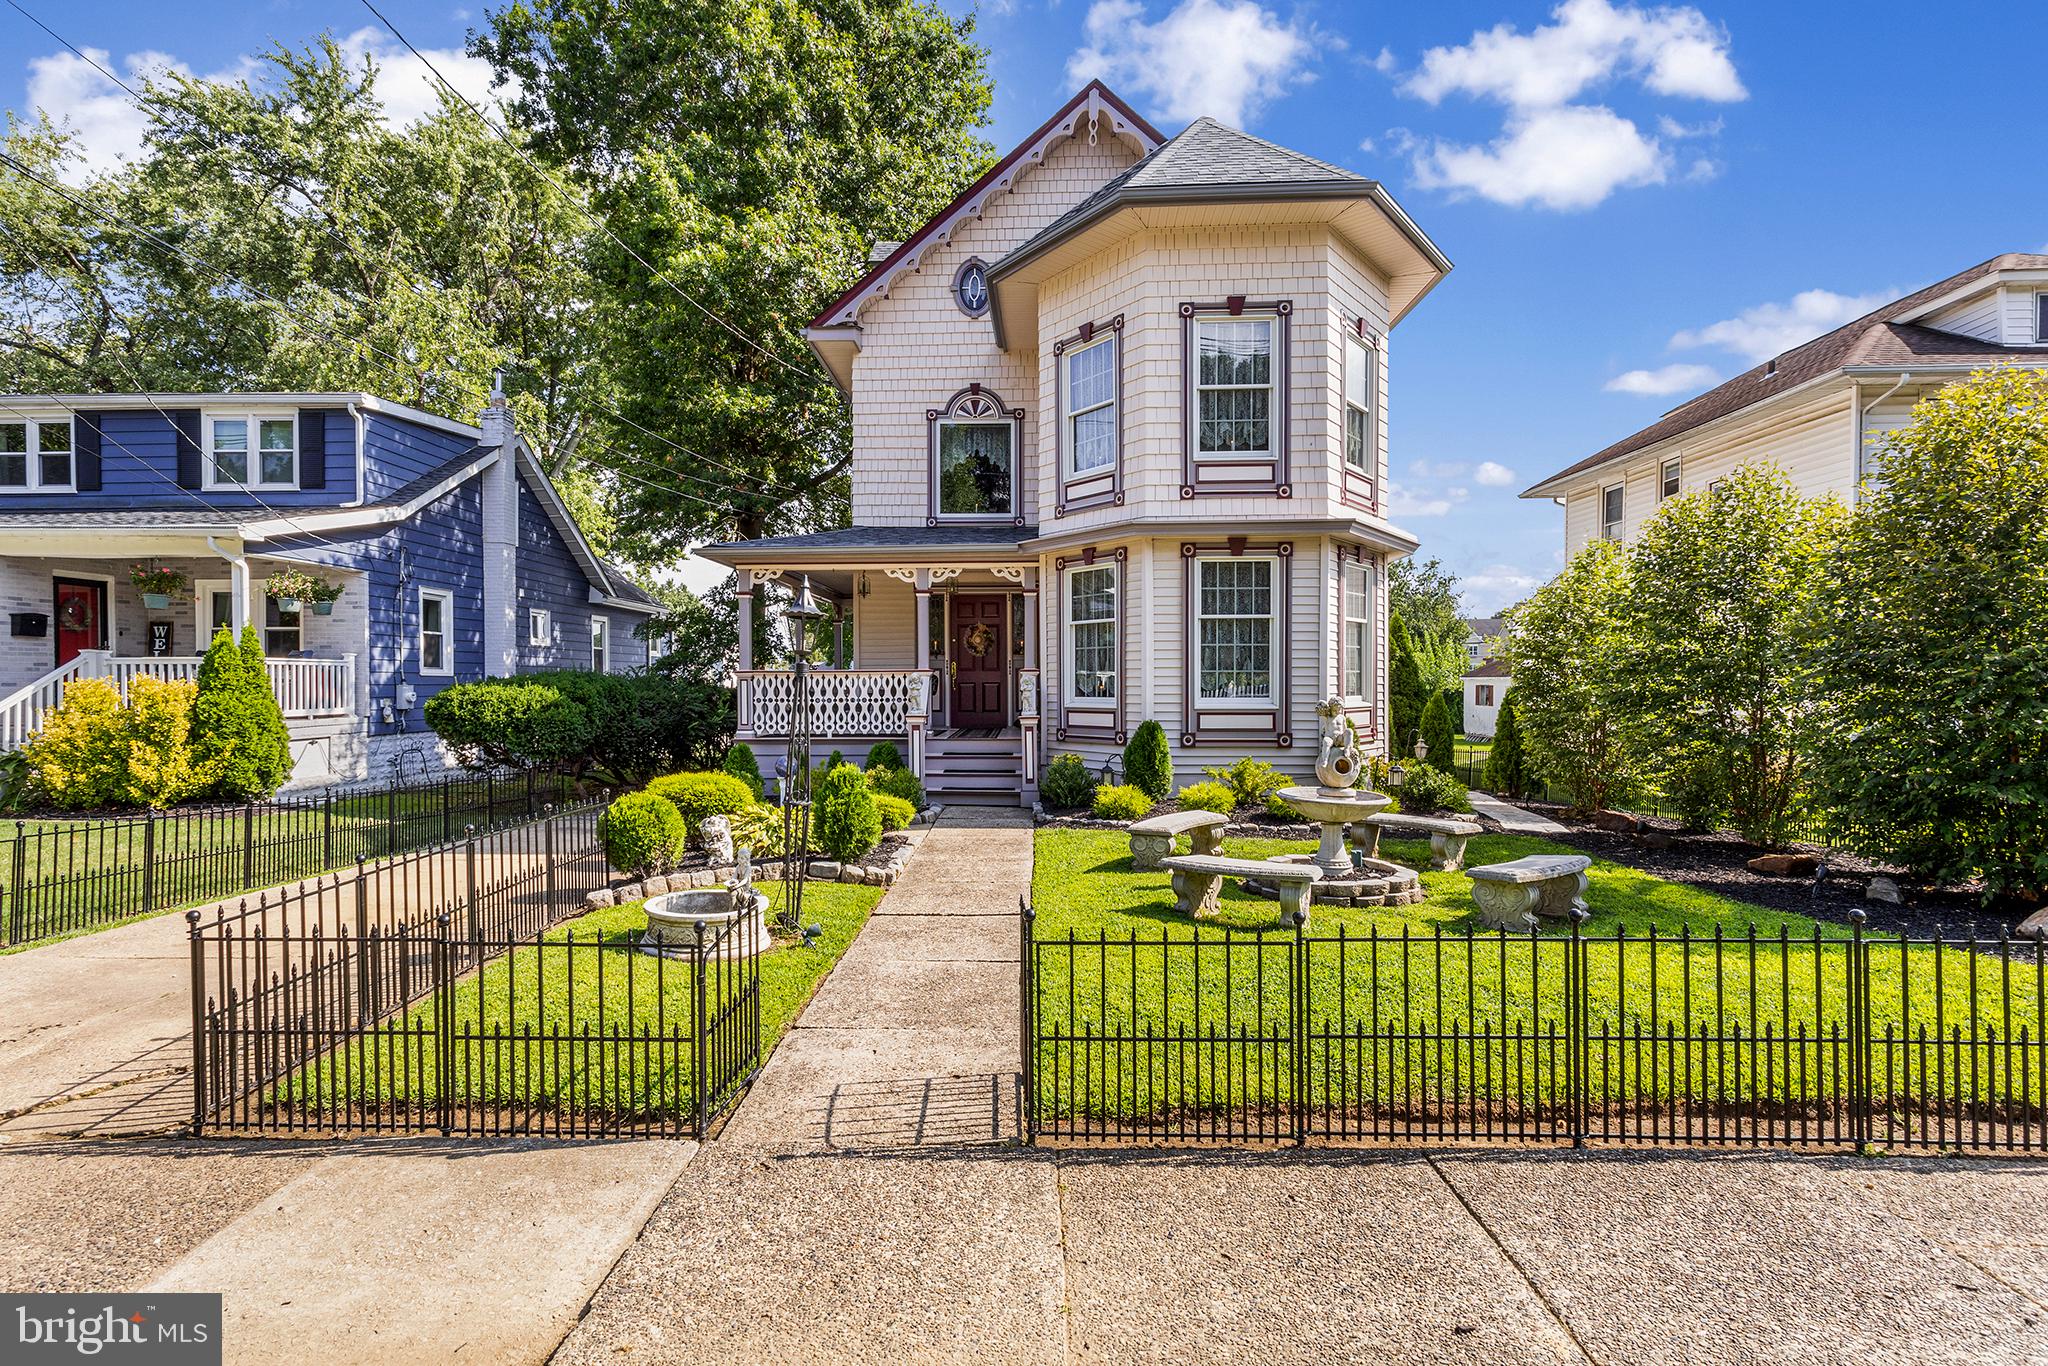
(1492, 668)
(1484, 627)
(1876, 339)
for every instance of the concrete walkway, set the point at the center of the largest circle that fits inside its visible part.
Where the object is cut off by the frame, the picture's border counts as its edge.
(1513, 819)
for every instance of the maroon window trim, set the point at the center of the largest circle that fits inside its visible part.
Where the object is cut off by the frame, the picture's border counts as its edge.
(1276, 469)
(1077, 494)
(1281, 713)
(1088, 558)
(1359, 490)
(1367, 717)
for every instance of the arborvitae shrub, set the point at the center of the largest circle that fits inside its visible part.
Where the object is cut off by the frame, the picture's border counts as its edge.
(740, 762)
(1148, 763)
(844, 813)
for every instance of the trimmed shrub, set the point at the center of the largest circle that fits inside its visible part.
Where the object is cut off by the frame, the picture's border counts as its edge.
(1428, 789)
(1249, 780)
(239, 744)
(1124, 802)
(697, 795)
(1507, 763)
(1148, 764)
(844, 814)
(834, 761)
(513, 725)
(640, 832)
(1439, 735)
(1067, 783)
(740, 762)
(1454, 701)
(884, 755)
(80, 753)
(156, 734)
(628, 726)
(894, 811)
(899, 783)
(1215, 797)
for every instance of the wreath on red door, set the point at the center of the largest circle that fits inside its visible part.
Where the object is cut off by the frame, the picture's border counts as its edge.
(75, 614)
(980, 640)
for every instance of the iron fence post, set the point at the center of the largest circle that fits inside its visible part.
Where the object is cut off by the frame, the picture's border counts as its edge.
(1027, 1129)
(327, 830)
(447, 818)
(469, 859)
(149, 860)
(366, 1006)
(547, 835)
(1859, 1029)
(444, 1029)
(528, 809)
(1297, 995)
(248, 845)
(197, 949)
(391, 819)
(699, 1006)
(11, 924)
(1575, 1029)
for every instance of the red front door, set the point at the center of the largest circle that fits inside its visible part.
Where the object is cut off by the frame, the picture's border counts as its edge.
(979, 652)
(81, 617)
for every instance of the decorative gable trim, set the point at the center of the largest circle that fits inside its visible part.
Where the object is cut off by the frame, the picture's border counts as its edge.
(1091, 112)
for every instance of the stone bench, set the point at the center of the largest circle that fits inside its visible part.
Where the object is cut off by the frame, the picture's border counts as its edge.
(1198, 883)
(1511, 895)
(1446, 837)
(1152, 838)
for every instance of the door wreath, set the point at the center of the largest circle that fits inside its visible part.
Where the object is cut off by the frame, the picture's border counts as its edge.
(980, 639)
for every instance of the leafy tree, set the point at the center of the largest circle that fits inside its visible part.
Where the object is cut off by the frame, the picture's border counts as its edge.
(1439, 735)
(1719, 617)
(1567, 651)
(1406, 694)
(703, 631)
(750, 154)
(1507, 763)
(1937, 662)
(240, 747)
(1425, 595)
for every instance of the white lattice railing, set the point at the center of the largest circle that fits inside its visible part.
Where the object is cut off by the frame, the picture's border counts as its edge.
(305, 688)
(849, 703)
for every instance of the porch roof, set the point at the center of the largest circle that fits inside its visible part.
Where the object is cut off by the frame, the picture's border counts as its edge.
(875, 544)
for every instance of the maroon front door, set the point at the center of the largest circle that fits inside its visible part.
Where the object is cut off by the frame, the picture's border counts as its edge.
(81, 617)
(979, 650)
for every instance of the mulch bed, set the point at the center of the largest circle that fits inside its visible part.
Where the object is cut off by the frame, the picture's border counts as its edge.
(1718, 863)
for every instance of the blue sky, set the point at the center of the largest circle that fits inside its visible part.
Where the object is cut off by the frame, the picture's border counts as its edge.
(1639, 199)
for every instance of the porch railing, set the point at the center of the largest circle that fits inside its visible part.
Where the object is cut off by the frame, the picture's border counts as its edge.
(305, 688)
(845, 703)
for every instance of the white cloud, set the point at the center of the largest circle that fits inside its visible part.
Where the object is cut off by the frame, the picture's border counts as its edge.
(1671, 379)
(1495, 587)
(1223, 58)
(108, 128)
(1670, 51)
(1404, 501)
(1565, 158)
(1493, 475)
(1438, 469)
(1771, 329)
(1385, 62)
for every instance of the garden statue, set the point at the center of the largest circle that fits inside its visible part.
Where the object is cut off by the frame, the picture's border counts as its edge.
(1338, 759)
(715, 833)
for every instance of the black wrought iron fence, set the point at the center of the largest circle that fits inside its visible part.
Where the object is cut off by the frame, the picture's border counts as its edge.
(439, 990)
(1831, 1039)
(65, 875)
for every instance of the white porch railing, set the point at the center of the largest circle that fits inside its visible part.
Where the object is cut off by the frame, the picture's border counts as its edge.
(845, 703)
(305, 688)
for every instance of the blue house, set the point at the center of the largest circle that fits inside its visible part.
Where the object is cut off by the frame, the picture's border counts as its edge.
(455, 557)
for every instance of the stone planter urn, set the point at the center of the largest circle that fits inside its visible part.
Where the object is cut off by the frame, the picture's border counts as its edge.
(714, 922)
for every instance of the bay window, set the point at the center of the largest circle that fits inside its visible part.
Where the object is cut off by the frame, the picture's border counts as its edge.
(1234, 387)
(35, 456)
(1235, 629)
(1357, 630)
(1090, 394)
(1092, 634)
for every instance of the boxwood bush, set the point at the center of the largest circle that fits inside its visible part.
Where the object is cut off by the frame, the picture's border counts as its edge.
(884, 755)
(1067, 782)
(1428, 788)
(900, 783)
(640, 832)
(625, 726)
(1124, 802)
(1215, 797)
(697, 795)
(896, 813)
(843, 813)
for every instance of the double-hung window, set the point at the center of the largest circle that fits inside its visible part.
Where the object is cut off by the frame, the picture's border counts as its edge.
(1091, 406)
(1610, 513)
(2041, 316)
(1234, 368)
(1358, 396)
(1357, 630)
(35, 456)
(540, 628)
(252, 452)
(977, 468)
(1667, 481)
(1092, 634)
(437, 621)
(1234, 610)
(1482, 694)
(600, 645)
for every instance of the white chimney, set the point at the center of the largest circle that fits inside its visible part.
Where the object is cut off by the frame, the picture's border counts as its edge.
(497, 415)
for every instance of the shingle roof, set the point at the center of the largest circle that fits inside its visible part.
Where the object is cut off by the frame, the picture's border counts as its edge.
(623, 585)
(892, 537)
(1873, 339)
(210, 519)
(1485, 627)
(413, 488)
(1205, 155)
(1491, 668)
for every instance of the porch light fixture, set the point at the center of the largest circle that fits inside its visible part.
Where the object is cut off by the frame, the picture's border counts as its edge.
(863, 589)
(803, 611)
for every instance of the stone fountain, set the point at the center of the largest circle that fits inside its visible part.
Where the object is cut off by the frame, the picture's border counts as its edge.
(1336, 805)
(679, 922)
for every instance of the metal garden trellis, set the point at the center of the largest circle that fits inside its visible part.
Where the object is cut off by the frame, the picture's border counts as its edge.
(802, 612)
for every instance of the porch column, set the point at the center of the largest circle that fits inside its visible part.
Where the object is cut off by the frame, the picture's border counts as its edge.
(743, 689)
(921, 693)
(1029, 687)
(238, 593)
(838, 635)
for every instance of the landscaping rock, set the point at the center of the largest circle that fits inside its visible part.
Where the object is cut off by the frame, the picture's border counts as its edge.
(662, 886)
(1886, 890)
(1655, 839)
(1784, 865)
(824, 870)
(599, 899)
(632, 891)
(2034, 926)
(1620, 822)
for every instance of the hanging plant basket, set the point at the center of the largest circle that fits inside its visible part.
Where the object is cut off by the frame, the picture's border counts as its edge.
(156, 602)
(292, 589)
(288, 604)
(156, 584)
(323, 608)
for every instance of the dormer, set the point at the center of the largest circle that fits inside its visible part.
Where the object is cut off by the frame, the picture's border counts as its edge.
(2007, 305)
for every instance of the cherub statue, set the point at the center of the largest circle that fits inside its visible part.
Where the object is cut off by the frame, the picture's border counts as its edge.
(1338, 759)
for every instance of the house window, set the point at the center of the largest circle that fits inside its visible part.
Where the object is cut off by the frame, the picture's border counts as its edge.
(1482, 694)
(2041, 317)
(1474, 650)
(1610, 513)
(1235, 629)
(1358, 395)
(35, 456)
(600, 645)
(252, 453)
(1091, 634)
(1091, 407)
(1357, 629)
(1234, 387)
(1667, 481)
(977, 469)
(284, 633)
(539, 628)
(437, 616)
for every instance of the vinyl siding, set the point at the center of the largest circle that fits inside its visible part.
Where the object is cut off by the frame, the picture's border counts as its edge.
(550, 578)
(398, 452)
(139, 465)
(885, 625)
(1974, 317)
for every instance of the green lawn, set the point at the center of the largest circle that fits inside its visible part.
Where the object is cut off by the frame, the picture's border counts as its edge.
(1386, 986)
(584, 1023)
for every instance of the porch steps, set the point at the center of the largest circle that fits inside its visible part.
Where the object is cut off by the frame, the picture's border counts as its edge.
(966, 772)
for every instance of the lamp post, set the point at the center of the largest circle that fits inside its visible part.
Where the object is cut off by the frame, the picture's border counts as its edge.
(802, 612)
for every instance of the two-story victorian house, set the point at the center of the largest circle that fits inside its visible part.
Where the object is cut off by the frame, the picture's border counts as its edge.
(1820, 410)
(454, 556)
(1119, 419)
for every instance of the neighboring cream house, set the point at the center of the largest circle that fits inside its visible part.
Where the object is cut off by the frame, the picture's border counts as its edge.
(1485, 686)
(1482, 638)
(1820, 410)
(1119, 419)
